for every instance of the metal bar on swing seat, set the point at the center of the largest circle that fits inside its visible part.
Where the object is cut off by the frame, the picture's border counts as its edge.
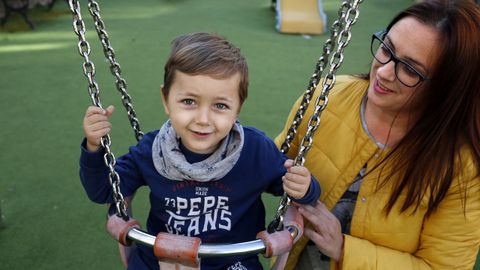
(205, 250)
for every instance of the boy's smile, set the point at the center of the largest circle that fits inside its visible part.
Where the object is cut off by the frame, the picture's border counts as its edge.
(202, 109)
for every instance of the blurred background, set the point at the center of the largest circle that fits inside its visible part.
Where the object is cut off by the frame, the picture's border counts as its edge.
(47, 222)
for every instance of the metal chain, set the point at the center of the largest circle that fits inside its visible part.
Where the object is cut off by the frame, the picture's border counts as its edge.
(348, 15)
(316, 76)
(120, 83)
(336, 61)
(94, 91)
(277, 222)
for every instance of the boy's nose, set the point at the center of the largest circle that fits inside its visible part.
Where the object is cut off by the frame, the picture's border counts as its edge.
(201, 116)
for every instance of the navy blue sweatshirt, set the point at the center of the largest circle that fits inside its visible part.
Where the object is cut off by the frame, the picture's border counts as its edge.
(229, 210)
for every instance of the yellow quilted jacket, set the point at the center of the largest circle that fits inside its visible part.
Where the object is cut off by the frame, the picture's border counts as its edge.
(447, 239)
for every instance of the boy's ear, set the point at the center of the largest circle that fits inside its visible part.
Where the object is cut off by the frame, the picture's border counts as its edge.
(164, 100)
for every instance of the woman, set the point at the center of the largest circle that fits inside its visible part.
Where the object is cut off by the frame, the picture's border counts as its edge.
(398, 152)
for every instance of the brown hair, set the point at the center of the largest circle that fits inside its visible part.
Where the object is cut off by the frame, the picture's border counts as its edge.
(206, 54)
(429, 154)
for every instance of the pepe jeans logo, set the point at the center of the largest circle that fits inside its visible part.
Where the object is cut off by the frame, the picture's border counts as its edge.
(192, 216)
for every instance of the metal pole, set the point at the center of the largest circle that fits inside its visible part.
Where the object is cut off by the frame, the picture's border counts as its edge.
(205, 250)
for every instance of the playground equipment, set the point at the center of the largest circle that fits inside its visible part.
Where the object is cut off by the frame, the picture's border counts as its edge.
(300, 16)
(182, 252)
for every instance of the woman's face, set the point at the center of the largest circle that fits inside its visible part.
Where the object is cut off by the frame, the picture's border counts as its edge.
(415, 44)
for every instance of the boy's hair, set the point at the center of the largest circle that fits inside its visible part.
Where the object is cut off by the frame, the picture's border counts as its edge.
(206, 54)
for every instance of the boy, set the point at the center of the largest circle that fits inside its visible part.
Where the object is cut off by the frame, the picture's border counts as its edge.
(205, 171)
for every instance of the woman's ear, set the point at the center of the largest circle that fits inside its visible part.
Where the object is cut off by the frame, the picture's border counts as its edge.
(164, 100)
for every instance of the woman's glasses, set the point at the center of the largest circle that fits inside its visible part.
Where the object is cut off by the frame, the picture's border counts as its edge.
(405, 73)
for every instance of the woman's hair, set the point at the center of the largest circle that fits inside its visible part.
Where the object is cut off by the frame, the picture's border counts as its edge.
(429, 155)
(206, 54)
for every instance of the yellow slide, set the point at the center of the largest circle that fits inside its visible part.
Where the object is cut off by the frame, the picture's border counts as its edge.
(301, 16)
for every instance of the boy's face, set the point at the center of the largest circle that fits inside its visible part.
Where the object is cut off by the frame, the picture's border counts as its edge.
(202, 109)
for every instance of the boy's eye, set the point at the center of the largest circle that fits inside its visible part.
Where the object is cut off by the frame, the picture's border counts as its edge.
(188, 101)
(221, 106)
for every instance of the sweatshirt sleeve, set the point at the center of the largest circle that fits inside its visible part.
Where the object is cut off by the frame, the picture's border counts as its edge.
(313, 193)
(94, 174)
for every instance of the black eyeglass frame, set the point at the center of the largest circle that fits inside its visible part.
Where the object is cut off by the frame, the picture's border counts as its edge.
(380, 36)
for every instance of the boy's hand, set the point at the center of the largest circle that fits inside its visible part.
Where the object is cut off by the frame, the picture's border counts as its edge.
(296, 181)
(96, 125)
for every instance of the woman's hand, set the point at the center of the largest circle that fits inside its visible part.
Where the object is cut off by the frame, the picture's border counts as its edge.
(327, 231)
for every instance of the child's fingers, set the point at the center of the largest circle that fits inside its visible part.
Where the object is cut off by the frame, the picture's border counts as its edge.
(297, 178)
(99, 126)
(293, 185)
(92, 110)
(93, 132)
(288, 164)
(98, 134)
(109, 110)
(98, 130)
(290, 192)
(300, 170)
(95, 118)
(294, 189)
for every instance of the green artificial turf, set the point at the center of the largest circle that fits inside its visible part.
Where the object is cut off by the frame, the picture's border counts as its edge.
(48, 221)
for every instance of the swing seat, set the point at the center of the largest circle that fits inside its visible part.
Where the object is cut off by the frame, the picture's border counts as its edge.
(178, 252)
(118, 228)
(293, 222)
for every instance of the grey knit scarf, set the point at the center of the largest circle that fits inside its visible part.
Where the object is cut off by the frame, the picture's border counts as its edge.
(170, 162)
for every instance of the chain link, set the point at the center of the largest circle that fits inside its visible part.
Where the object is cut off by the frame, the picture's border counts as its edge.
(94, 92)
(340, 37)
(115, 69)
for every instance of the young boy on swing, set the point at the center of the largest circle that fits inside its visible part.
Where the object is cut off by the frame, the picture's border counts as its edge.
(205, 171)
